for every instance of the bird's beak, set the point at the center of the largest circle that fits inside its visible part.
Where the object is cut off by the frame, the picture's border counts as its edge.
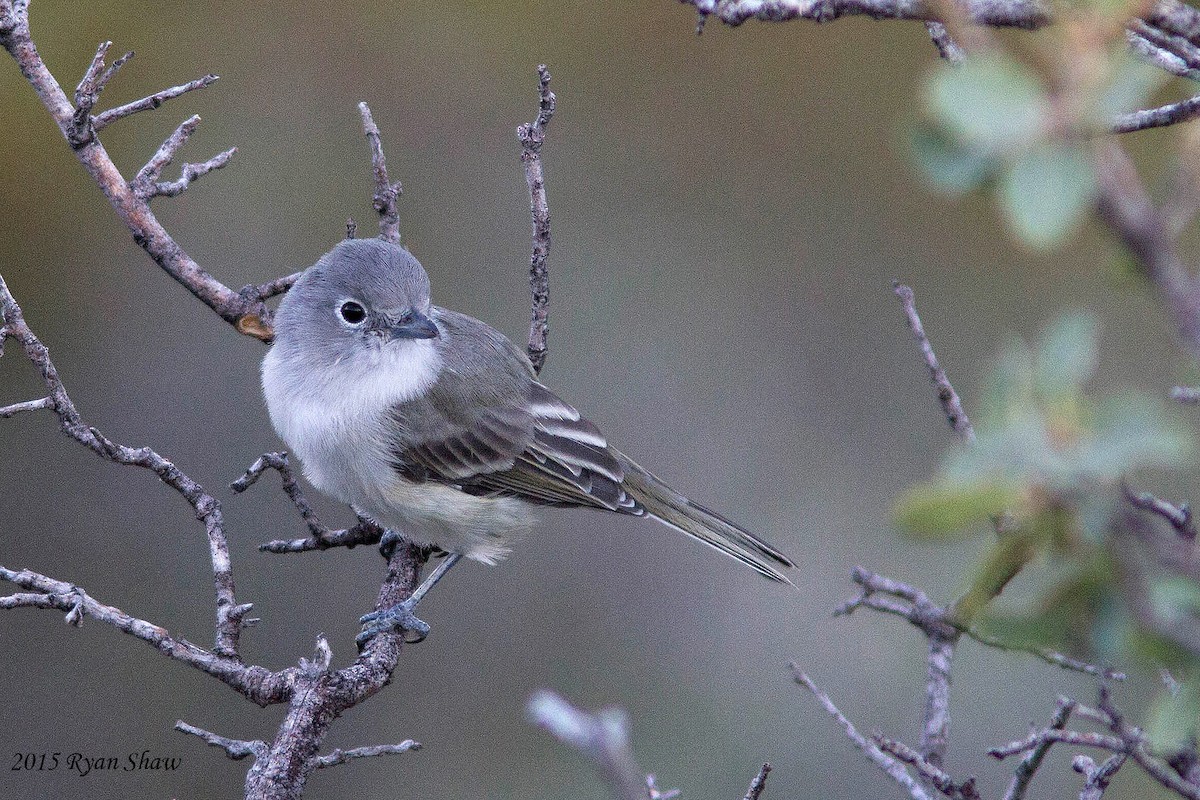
(413, 326)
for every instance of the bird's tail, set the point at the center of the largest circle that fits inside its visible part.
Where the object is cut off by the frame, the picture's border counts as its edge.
(666, 505)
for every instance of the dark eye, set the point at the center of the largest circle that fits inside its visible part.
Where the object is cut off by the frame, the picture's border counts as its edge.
(352, 312)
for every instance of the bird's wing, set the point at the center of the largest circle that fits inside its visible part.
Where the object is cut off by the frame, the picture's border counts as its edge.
(522, 442)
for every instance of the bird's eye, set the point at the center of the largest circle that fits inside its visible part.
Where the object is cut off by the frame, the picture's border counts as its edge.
(352, 312)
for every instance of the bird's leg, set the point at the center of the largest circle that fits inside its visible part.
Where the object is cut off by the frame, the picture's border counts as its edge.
(401, 616)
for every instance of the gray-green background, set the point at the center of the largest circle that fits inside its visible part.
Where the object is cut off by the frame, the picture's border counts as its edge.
(728, 211)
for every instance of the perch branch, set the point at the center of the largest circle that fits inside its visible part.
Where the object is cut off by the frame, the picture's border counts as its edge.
(532, 136)
(340, 756)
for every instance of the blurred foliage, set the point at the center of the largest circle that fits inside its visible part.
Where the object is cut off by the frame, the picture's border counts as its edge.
(1044, 470)
(996, 121)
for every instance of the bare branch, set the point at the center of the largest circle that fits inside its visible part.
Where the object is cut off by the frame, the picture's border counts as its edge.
(1097, 777)
(1179, 517)
(1033, 759)
(1170, 114)
(257, 684)
(602, 736)
(192, 172)
(28, 405)
(236, 749)
(206, 507)
(279, 462)
(890, 766)
(386, 193)
(928, 772)
(150, 102)
(758, 784)
(1188, 395)
(951, 404)
(1052, 657)
(340, 756)
(249, 315)
(365, 532)
(947, 48)
(532, 136)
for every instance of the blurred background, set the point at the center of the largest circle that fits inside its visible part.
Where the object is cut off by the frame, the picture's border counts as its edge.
(729, 211)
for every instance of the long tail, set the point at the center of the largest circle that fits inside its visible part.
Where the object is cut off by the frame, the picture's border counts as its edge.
(666, 505)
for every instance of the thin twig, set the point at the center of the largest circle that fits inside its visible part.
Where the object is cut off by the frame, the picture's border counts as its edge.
(758, 784)
(947, 48)
(1188, 395)
(279, 463)
(532, 136)
(933, 775)
(951, 404)
(890, 766)
(1033, 759)
(1170, 114)
(236, 749)
(1097, 777)
(206, 507)
(28, 405)
(150, 102)
(1179, 517)
(386, 193)
(340, 756)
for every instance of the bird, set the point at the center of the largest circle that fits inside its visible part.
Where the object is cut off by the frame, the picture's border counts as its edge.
(434, 425)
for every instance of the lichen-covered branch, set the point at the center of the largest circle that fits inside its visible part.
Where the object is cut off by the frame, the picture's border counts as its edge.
(532, 136)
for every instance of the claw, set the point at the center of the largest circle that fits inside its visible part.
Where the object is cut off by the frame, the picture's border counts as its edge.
(398, 617)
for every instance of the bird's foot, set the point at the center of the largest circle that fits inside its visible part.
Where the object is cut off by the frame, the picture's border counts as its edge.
(399, 617)
(388, 543)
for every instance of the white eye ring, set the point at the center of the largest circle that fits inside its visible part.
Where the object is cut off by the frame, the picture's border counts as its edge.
(352, 313)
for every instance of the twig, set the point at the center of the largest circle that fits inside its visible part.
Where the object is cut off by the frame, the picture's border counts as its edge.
(1052, 657)
(279, 463)
(758, 784)
(365, 532)
(1127, 209)
(236, 749)
(951, 404)
(1179, 517)
(28, 405)
(257, 684)
(890, 766)
(386, 193)
(602, 736)
(206, 507)
(1170, 114)
(947, 48)
(1097, 777)
(150, 102)
(129, 199)
(1033, 759)
(340, 756)
(532, 135)
(1188, 395)
(931, 774)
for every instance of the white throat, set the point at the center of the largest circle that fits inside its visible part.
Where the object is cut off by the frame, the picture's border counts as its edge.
(311, 409)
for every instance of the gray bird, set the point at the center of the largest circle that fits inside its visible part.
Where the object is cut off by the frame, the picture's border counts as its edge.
(431, 423)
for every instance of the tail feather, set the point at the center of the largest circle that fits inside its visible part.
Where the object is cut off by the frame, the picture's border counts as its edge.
(668, 506)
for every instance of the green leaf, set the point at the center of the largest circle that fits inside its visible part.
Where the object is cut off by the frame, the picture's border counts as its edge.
(1174, 599)
(1068, 353)
(940, 510)
(951, 166)
(1047, 193)
(1132, 430)
(1133, 83)
(1172, 719)
(990, 101)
